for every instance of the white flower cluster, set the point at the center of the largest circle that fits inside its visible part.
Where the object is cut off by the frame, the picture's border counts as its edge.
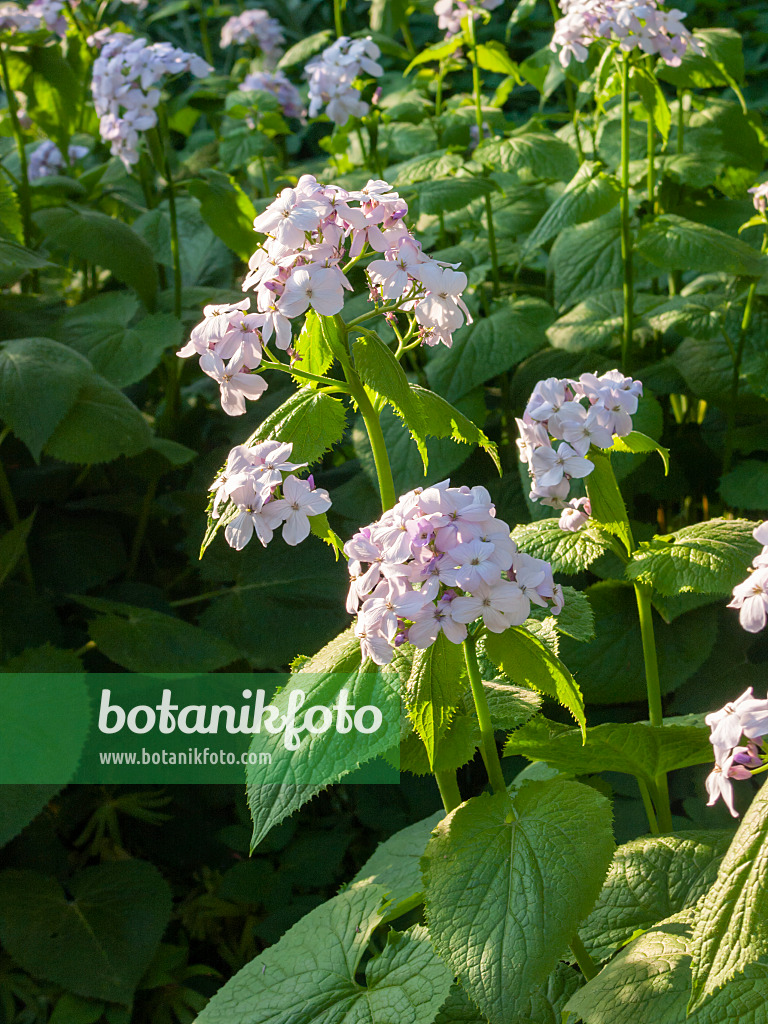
(125, 78)
(437, 561)
(297, 268)
(744, 719)
(751, 596)
(759, 196)
(258, 27)
(556, 410)
(259, 481)
(333, 73)
(39, 14)
(450, 13)
(48, 159)
(280, 86)
(633, 23)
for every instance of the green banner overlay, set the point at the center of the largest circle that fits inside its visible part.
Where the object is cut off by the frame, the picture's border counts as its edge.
(301, 729)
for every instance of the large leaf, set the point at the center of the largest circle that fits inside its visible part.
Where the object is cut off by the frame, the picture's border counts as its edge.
(434, 691)
(507, 881)
(19, 805)
(448, 194)
(10, 214)
(105, 241)
(99, 330)
(16, 261)
(227, 211)
(530, 155)
(566, 551)
(586, 258)
(706, 558)
(102, 425)
(650, 879)
(721, 64)
(313, 423)
(526, 661)
(608, 509)
(314, 352)
(732, 920)
(589, 194)
(313, 974)
(644, 751)
(40, 381)
(300, 52)
(97, 937)
(322, 758)
(746, 486)
(489, 347)
(443, 420)
(649, 983)
(674, 243)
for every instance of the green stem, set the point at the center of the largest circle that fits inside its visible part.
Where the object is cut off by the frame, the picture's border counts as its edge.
(9, 504)
(648, 805)
(25, 201)
(477, 90)
(294, 372)
(407, 37)
(626, 231)
(586, 964)
(175, 248)
(449, 789)
(488, 748)
(653, 687)
(337, 19)
(651, 179)
(375, 436)
(207, 51)
(141, 526)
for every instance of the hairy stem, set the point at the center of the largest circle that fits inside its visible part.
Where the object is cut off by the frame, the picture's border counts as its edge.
(626, 231)
(337, 19)
(488, 748)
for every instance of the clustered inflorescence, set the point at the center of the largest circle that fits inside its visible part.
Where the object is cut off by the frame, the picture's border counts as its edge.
(125, 78)
(633, 24)
(255, 26)
(332, 76)
(578, 413)
(40, 14)
(436, 561)
(260, 482)
(280, 86)
(751, 596)
(48, 159)
(450, 13)
(298, 268)
(737, 732)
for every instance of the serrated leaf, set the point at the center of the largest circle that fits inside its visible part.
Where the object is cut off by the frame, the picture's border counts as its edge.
(510, 706)
(674, 243)
(731, 928)
(526, 661)
(586, 258)
(650, 879)
(449, 194)
(636, 443)
(494, 56)
(706, 558)
(298, 775)
(227, 211)
(566, 551)
(443, 420)
(644, 751)
(721, 62)
(21, 804)
(608, 509)
(106, 241)
(102, 425)
(95, 939)
(507, 880)
(434, 691)
(597, 321)
(490, 346)
(13, 544)
(312, 422)
(436, 52)
(575, 619)
(315, 355)
(530, 155)
(313, 974)
(589, 194)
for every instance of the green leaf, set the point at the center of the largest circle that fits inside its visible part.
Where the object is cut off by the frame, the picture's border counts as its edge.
(437, 52)
(649, 983)
(96, 938)
(434, 691)
(608, 509)
(323, 758)
(722, 63)
(494, 56)
(706, 558)
(674, 243)
(510, 706)
(240, 147)
(395, 864)
(731, 928)
(16, 262)
(312, 422)
(449, 194)
(589, 194)
(566, 551)
(575, 618)
(99, 330)
(746, 486)
(530, 155)
(653, 99)
(300, 52)
(650, 879)
(525, 660)
(13, 544)
(313, 975)
(636, 443)
(439, 164)
(455, 747)
(143, 640)
(489, 347)
(644, 751)
(40, 381)
(315, 354)
(443, 420)
(105, 241)
(102, 425)
(586, 258)
(20, 804)
(610, 669)
(507, 881)
(227, 211)
(10, 214)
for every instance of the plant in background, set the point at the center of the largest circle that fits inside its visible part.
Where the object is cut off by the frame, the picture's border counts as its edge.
(257, 28)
